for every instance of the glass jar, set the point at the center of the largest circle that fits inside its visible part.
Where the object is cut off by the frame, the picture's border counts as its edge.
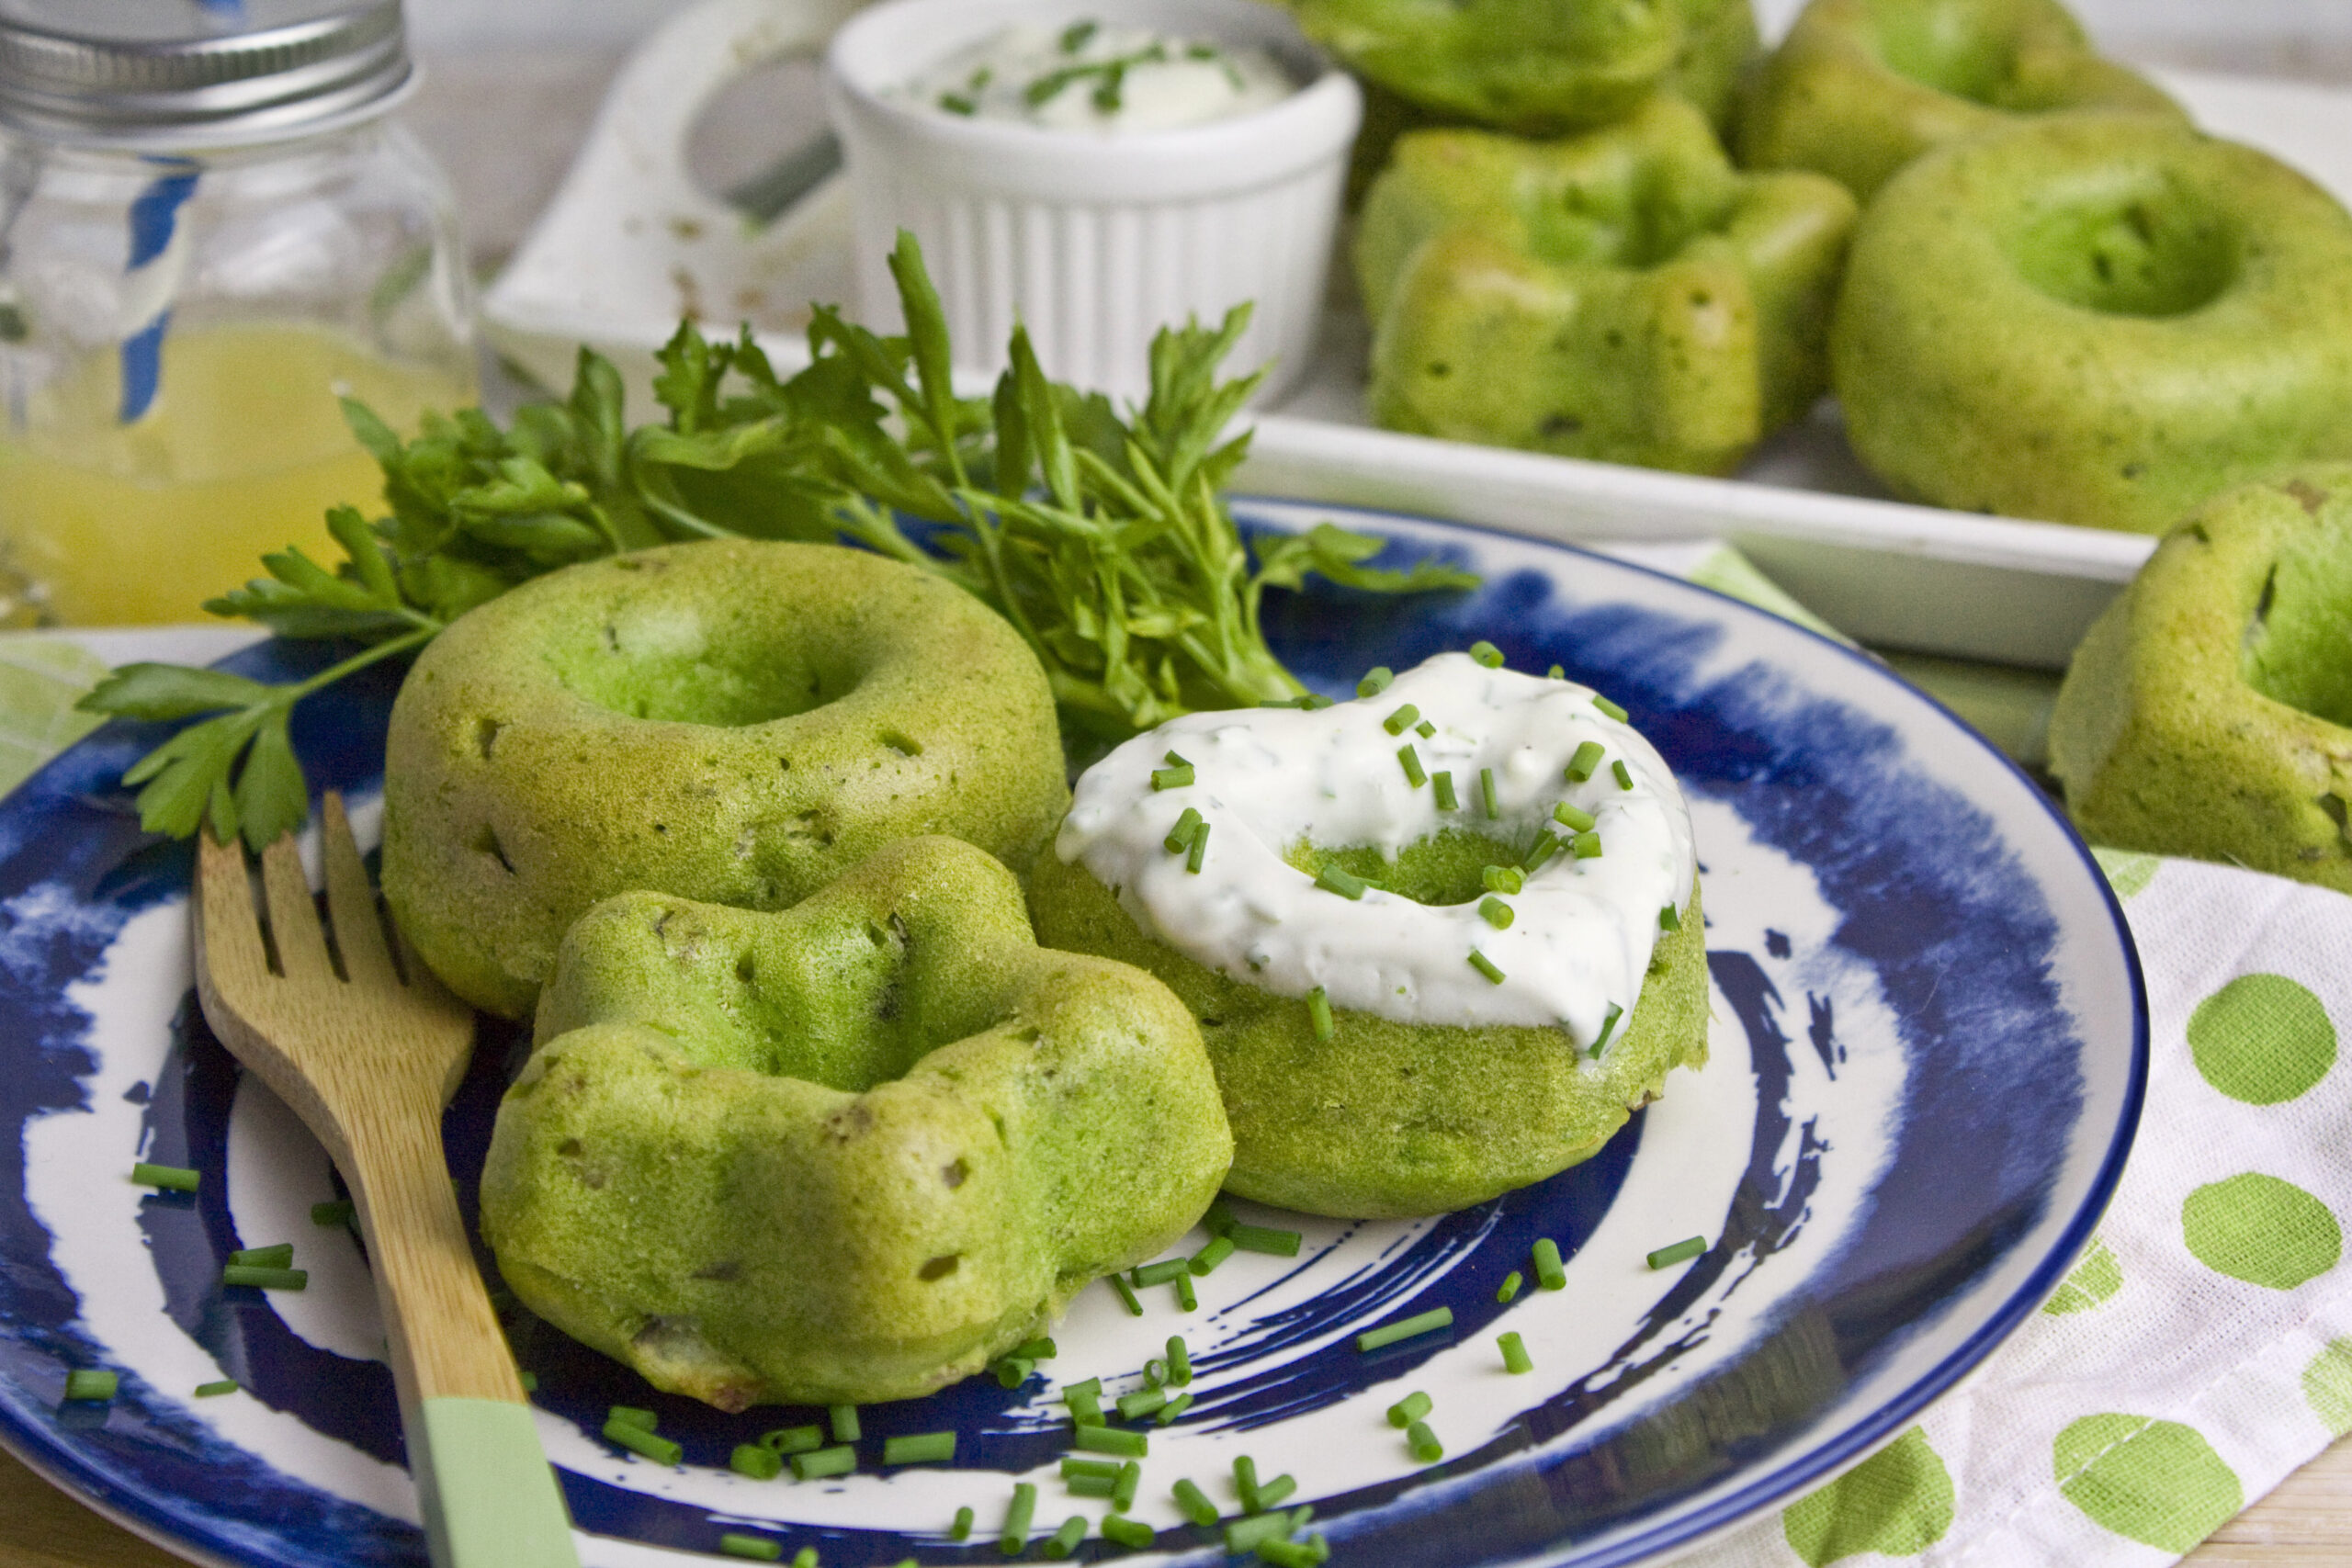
(209, 235)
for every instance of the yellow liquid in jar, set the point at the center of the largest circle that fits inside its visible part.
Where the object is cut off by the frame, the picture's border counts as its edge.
(243, 451)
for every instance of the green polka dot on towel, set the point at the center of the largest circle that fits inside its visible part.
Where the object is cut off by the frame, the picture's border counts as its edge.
(2327, 1386)
(2093, 1281)
(2158, 1483)
(2262, 1038)
(1897, 1503)
(2128, 870)
(2262, 1230)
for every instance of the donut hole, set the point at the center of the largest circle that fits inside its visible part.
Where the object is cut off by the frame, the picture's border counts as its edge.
(670, 663)
(1960, 47)
(1443, 869)
(2298, 644)
(1628, 219)
(2134, 246)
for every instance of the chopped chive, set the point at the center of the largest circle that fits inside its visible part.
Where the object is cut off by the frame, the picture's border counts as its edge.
(962, 1529)
(1122, 1494)
(805, 1558)
(1143, 1402)
(1515, 1354)
(264, 1279)
(1546, 845)
(1266, 1239)
(1127, 1295)
(1195, 1504)
(1375, 680)
(1074, 36)
(1670, 919)
(1586, 846)
(1041, 1349)
(1091, 1388)
(1510, 1286)
(1332, 879)
(1555, 673)
(1318, 1012)
(793, 1439)
(1502, 879)
(1487, 794)
(757, 1546)
(644, 1442)
(752, 1460)
(1133, 1534)
(1426, 1448)
(1312, 1552)
(1404, 718)
(1091, 1469)
(1200, 849)
(91, 1383)
(839, 1460)
(1111, 1440)
(1218, 1249)
(1179, 836)
(1171, 778)
(1605, 705)
(1315, 702)
(1275, 1491)
(169, 1177)
(1091, 1486)
(1014, 1538)
(1574, 818)
(1680, 1252)
(1608, 1027)
(1485, 966)
(1245, 1482)
(1624, 774)
(529, 1379)
(276, 1257)
(1173, 761)
(1245, 1535)
(1549, 1273)
(844, 1420)
(1410, 761)
(1443, 783)
(1488, 654)
(1410, 1409)
(1421, 1323)
(215, 1389)
(1064, 1542)
(1155, 1372)
(954, 103)
(1426, 730)
(1495, 912)
(1085, 1409)
(1184, 1296)
(1158, 1273)
(339, 1213)
(1587, 758)
(920, 1448)
(1173, 1409)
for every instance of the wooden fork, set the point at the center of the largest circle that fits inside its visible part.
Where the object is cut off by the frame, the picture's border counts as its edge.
(367, 1062)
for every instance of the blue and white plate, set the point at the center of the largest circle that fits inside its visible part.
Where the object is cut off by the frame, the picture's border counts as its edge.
(1928, 1049)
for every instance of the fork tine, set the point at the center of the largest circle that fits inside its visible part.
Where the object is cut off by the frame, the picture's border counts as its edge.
(293, 917)
(231, 931)
(351, 903)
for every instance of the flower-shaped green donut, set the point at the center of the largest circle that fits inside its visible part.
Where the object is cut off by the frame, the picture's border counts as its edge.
(844, 1152)
(735, 721)
(1861, 87)
(1626, 294)
(2209, 713)
(2101, 318)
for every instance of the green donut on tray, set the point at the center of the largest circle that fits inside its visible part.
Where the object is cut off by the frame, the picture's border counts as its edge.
(1861, 87)
(2209, 712)
(844, 1152)
(1626, 294)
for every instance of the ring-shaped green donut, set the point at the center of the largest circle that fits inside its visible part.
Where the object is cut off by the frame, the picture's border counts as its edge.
(736, 722)
(2098, 319)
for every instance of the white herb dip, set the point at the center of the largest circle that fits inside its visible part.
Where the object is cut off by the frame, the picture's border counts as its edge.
(1086, 76)
(1266, 779)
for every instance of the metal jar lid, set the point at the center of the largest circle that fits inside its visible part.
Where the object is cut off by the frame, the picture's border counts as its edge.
(165, 76)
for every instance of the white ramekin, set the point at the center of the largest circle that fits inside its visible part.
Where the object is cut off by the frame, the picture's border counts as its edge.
(1094, 242)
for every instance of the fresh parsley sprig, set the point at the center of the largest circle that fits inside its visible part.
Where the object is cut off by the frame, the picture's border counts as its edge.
(1103, 541)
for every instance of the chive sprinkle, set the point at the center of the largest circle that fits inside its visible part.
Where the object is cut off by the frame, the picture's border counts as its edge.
(1266, 1239)
(920, 1448)
(1443, 783)
(844, 1419)
(1200, 849)
(1218, 1249)
(1624, 774)
(1171, 778)
(1546, 845)
(1548, 1270)
(91, 1383)
(1041, 1349)
(1184, 1296)
(805, 1558)
(215, 1389)
(1488, 654)
(1312, 1552)
(1587, 758)
(1089, 1485)
(1082, 1400)
(1608, 1027)
(1111, 1440)
(1245, 1482)
(1273, 1494)
(264, 1279)
(1555, 673)
(1014, 1537)
(1065, 1540)
(838, 1460)
(276, 1257)
(759, 1548)
(1487, 794)
(1509, 1288)
(1133, 1534)
(962, 1529)
(1426, 730)
(1318, 1012)
(1158, 1273)
(1426, 1448)
(1375, 680)
(1195, 1504)
(169, 1177)
(1248, 1535)
(1143, 1402)
(339, 1213)
(1406, 1328)
(793, 1439)
(1611, 709)
(1332, 879)
(1179, 1359)
(1094, 1469)
(1485, 966)
(1410, 761)
(1680, 1252)
(1154, 1373)
(1502, 879)
(1173, 1409)
(1408, 1410)
(758, 1463)
(528, 1379)
(1074, 36)
(954, 103)
(1123, 1492)
(1574, 818)
(1670, 919)
(1515, 1354)
(644, 1442)
(1404, 718)
(1586, 846)
(1127, 1295)
(1495, 912)
(1179, 836)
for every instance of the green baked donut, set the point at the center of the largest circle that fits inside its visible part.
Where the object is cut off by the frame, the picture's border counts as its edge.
(2209, 713)
(1412, 1103)
(1861, 87)
(738, 722)
(2094, 319)
(1624, 295)
(845, 1152)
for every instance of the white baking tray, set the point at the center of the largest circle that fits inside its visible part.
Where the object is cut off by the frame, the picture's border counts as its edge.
(630, 243)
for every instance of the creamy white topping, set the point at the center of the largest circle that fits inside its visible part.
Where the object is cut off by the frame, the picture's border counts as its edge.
(1085, 76)
(1267, 779)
